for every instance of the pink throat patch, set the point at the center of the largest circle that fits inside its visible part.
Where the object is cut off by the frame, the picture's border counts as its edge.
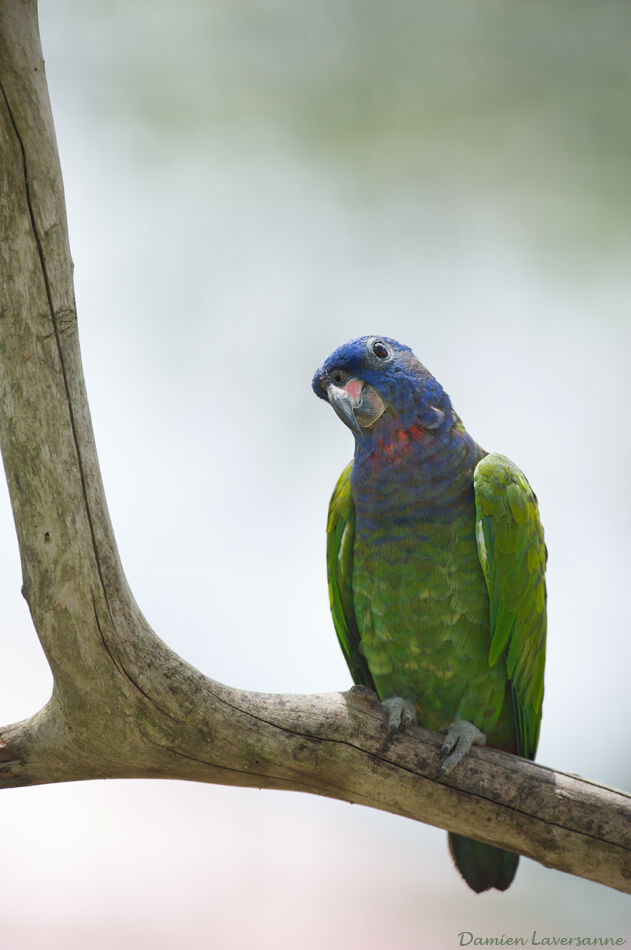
(354, 389)
(399, 446)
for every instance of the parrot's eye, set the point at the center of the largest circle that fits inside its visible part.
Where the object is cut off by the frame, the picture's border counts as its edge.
(380, 350)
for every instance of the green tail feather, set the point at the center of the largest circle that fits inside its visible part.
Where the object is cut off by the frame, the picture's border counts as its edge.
(481, 865)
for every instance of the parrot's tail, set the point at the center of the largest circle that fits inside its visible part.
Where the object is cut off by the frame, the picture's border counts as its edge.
(481, 865)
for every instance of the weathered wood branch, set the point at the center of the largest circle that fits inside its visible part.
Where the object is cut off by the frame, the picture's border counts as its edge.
(123, 704)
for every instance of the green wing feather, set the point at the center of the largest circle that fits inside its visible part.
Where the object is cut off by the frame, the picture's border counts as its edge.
(340, 542)
(513, 557)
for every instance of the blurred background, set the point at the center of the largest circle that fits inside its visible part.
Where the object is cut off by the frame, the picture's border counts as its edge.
(249, 185)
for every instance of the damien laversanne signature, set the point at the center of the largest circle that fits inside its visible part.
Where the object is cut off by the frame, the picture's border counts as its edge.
(468, 939)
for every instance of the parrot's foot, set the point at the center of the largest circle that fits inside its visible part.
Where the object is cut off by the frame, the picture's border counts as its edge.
(461, 735)
(400, 712)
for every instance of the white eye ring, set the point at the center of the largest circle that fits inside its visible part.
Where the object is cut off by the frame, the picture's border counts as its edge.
(379, 350)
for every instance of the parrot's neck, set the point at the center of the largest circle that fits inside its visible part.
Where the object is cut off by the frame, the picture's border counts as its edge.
(431, 468)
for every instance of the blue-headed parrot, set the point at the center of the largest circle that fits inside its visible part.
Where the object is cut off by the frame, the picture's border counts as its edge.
(436, 570)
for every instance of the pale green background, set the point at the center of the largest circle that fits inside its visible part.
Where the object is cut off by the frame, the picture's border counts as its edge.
(250, 184)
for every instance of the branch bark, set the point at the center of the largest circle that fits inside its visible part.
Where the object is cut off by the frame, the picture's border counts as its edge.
(125, 705)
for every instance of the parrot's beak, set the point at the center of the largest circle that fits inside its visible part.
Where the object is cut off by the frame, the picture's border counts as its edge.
(344, 401)
(357, 404)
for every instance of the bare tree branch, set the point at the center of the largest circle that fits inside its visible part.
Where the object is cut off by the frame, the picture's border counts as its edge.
(123, 704)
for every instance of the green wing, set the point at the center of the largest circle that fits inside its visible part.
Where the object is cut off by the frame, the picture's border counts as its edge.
(340, 541)
(513, 557)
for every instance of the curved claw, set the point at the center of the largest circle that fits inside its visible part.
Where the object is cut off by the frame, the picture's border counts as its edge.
(461, 735)
(400, 712)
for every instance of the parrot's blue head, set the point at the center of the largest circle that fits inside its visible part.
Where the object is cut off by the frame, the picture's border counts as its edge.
(375, 384)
